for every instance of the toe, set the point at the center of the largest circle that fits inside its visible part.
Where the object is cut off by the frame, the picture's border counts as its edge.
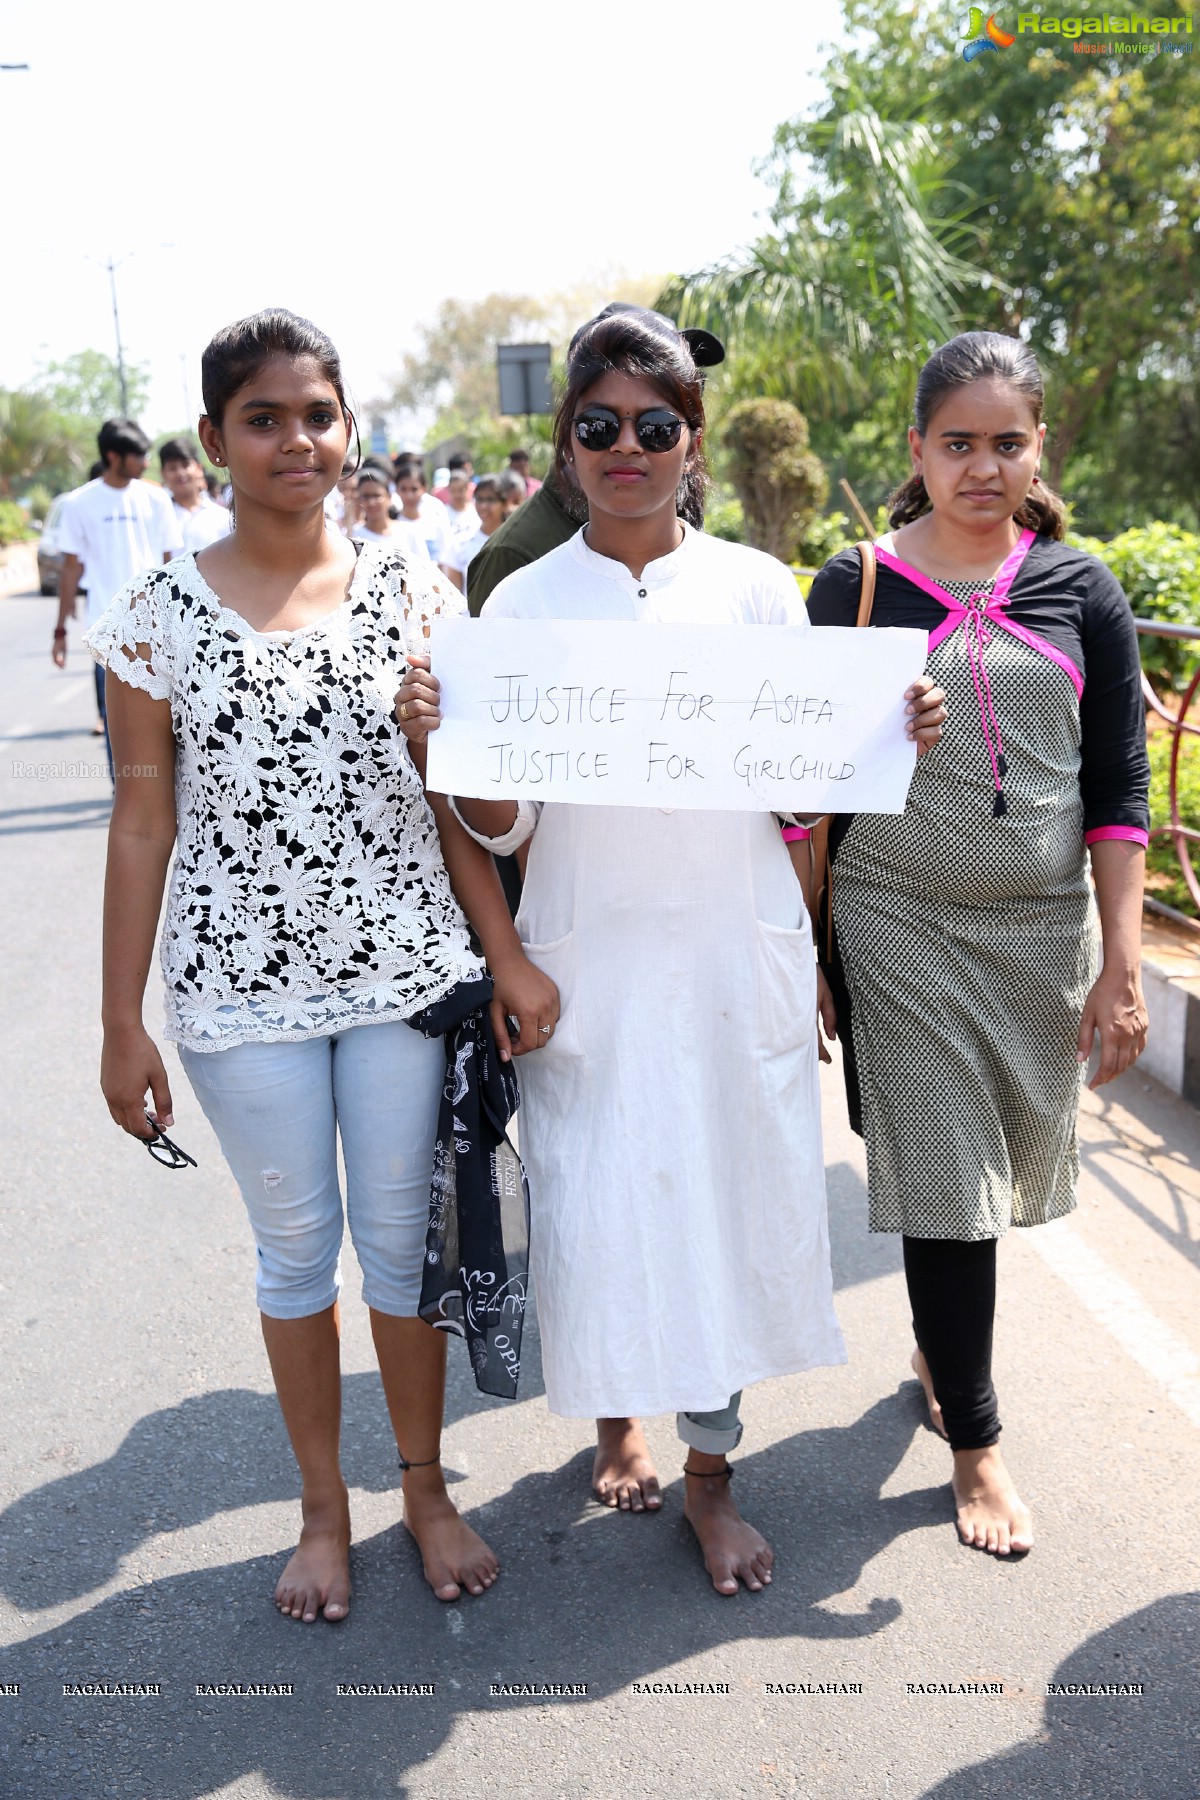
(447, 1590)
(651, 1493)
(761, 1564)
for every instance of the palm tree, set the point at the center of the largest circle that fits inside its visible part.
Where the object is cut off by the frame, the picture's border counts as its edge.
(861, 278)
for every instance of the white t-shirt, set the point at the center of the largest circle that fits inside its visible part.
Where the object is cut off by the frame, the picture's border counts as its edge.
(407, 536)
(463, 524)
(117, 534)
(465, 549)
(439, 537)
(204, 526)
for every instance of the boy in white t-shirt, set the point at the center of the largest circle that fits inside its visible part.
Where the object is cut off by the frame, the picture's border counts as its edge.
(117, 527)
(199, 518)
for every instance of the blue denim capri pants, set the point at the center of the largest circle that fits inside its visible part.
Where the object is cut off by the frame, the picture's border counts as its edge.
(277, 1110)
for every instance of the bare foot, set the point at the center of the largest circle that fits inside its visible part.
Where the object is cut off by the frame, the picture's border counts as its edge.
(317, 1578)
(733, 1551)
(991, 1514)
(454, 1556)
(920, 1369)
(623, 1475)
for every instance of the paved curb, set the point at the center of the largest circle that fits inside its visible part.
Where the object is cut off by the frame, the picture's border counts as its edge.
(1171, 978)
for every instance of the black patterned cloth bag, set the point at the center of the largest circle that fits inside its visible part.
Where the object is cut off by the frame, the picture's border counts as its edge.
(477, 1250)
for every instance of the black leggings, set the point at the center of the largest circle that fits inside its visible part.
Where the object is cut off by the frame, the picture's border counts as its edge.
(952, 1291)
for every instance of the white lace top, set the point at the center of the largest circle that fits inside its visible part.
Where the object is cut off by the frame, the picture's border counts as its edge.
(308, 892)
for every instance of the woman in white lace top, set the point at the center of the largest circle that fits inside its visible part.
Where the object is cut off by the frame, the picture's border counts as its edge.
(314, 908)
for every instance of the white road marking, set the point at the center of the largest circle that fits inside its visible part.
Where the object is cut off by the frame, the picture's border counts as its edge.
(1165, 1357)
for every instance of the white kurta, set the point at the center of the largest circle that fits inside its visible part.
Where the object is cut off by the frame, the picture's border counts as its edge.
(671, 1126)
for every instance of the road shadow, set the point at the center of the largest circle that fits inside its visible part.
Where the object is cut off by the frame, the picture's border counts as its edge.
(1095, 1746)
(61, 815)
(1146, 1105)
(176, 1468)
(856, 1254)
(585, 1596)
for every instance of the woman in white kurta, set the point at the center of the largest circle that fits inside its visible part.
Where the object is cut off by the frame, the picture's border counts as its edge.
(671, 1127)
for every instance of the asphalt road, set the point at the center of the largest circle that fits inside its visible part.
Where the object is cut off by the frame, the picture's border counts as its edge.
(148, 1495)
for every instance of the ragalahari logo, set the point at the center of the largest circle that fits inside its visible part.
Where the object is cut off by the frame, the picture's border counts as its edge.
(984, 36)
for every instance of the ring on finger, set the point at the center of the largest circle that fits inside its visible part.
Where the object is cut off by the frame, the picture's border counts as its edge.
(544, 1030)
(404, 709)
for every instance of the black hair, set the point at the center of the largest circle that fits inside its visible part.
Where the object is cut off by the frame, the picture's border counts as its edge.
(459, 460)
(97, 469)
(622, 343)
(410, 465)
(121, 437)
(520, 454)
(370, 475)
(180, 450)
(236, 354)
(375, 461)
(980, 356)
(488, 484)
(508, 482)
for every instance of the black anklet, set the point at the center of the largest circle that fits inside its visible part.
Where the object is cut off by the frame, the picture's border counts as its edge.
(725, 1474)
(405, 1465)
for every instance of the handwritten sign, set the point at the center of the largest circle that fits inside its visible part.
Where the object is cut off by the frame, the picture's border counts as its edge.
(721, 717)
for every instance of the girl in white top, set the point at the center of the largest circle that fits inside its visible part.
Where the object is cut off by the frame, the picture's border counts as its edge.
(314, 909)
(490, 508)
(460, 508)
(380, 520)
(671, 1128)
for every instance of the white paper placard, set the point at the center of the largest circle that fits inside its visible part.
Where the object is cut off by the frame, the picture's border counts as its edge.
(721, 717)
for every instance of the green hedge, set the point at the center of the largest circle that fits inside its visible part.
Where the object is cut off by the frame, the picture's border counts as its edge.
(14, 526)
(1158, 565)
(1163, 879)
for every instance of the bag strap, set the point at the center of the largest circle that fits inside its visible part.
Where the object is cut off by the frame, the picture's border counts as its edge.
(866, 601)
(866, 598)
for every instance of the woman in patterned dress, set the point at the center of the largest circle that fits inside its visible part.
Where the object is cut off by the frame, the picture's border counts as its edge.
(314, 909)
(965, 926)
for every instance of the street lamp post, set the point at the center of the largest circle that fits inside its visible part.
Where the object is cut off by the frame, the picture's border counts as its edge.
(112, 268)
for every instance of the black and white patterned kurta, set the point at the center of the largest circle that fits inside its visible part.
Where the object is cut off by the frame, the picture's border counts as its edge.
(965, 925)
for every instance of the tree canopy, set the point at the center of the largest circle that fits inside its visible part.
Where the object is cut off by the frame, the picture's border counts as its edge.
(1037, 192)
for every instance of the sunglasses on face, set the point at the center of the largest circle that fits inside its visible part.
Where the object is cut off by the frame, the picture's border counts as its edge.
(164, 1151)
(657, 429)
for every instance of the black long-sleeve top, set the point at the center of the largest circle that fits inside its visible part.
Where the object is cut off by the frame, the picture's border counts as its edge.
(1073, 603)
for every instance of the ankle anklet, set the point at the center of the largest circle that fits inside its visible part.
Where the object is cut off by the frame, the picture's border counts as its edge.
(405, 1465)
(725, 1474)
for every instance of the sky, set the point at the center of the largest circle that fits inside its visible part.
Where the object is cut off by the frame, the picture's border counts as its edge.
(361, 165)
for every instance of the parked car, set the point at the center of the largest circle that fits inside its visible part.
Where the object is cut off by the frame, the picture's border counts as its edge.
(49, 556)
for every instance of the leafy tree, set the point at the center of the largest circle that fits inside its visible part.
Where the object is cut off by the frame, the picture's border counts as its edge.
(33, 438)
(86, 388)
(453, 370)
(1069, 185)
(859, 276)
(451, 376)
(779, 481)
(1086, 185)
